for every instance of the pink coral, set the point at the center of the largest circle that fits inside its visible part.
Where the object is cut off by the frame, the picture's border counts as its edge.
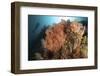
(55, 37)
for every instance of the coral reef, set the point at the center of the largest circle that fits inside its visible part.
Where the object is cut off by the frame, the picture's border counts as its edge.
(64, 40)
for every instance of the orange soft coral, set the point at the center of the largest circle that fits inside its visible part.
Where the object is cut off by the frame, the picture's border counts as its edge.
(55, 37)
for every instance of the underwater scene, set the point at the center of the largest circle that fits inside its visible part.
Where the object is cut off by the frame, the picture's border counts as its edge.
(57, 37)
